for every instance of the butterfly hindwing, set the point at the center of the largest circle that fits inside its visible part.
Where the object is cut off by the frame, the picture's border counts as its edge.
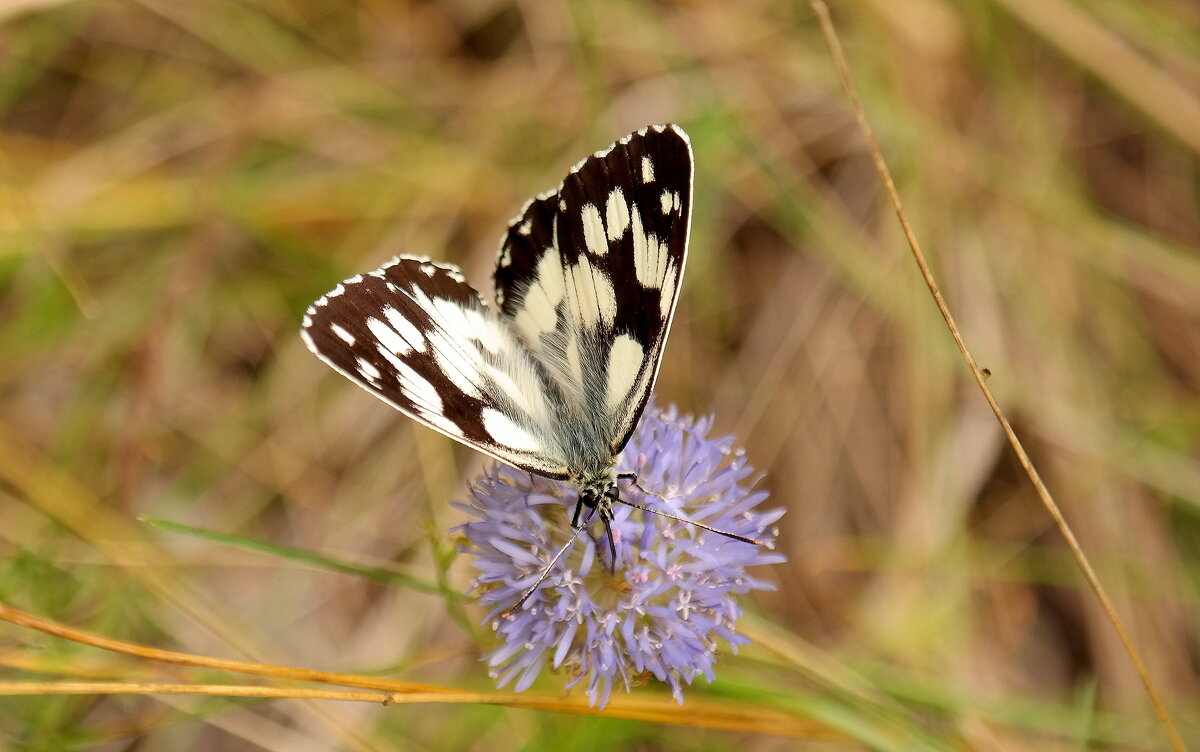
(414, 334)
(589, 274)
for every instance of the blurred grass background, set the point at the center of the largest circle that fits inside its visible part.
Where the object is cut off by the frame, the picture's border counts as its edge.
(180, 180)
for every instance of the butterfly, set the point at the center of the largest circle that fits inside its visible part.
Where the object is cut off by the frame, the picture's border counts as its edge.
(554, 381)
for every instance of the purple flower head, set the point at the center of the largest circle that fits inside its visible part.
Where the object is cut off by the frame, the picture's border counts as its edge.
(669, 606)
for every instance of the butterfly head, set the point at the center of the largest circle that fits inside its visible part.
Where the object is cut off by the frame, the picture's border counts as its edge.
(597, 496)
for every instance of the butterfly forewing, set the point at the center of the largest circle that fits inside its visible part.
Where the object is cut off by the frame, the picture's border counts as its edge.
(589, 274)
(586, 280)
(414, 334)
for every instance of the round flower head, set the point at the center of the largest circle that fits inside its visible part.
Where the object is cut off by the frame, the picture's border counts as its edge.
(666, 606)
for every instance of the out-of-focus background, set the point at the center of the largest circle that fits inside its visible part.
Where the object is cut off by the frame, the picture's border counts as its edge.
(181, 179)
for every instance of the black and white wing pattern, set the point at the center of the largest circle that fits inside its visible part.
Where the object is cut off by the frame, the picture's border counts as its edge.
(589, 273)
(415, 334)
(586, 281)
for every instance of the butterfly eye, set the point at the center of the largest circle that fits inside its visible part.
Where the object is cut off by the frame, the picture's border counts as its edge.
(590, 497)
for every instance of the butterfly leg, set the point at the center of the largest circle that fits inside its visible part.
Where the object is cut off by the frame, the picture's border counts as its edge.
(578, 508)
(598, 498)
(612, 544)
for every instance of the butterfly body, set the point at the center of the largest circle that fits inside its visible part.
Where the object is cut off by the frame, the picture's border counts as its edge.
(586, 283)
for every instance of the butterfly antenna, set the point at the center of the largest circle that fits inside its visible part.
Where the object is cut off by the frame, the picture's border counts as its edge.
(545, 572)
(632, 477)
(701, 525)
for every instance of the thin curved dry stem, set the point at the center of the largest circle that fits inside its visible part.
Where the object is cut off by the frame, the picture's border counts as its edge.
(218, 690)
(831, 37)
(729, 716)
(21, 618)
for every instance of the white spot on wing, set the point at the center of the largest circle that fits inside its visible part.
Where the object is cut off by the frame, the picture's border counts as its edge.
(525, 227)
(648, 254)
(466, 323)
(506, 433)
(670, 201)
(647, 170)
(526, 396)
(534, 319)
(667, 298)
(341, 333)
(624, 364)
(641, 387)
(451, 340)
(594, 298)
(538, 307)
(441, 423)
(417, 388)
(488, 333)
(405, 328)
(606, 297)
(390, 357)
(456, 365)
(387, 337)
(616, 214)
(550, 275)
(368, 369)
(593, 230)
(583, 303)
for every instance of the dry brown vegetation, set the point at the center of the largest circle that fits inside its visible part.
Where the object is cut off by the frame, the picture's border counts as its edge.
(180, 180)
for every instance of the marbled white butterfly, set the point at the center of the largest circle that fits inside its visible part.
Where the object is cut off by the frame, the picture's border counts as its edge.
(554, 383)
